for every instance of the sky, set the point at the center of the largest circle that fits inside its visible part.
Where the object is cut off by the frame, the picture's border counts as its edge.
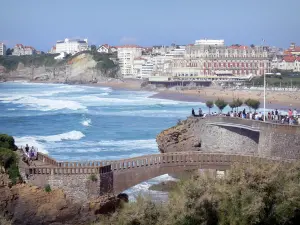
(40, 23)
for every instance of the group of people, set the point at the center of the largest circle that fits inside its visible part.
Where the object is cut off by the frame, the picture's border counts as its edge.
(31, 153)
(292, 117)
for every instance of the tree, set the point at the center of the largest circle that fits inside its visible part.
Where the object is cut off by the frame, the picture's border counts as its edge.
(252, 45)
(221, 104)
(252, 103)
(9, 51)
(93, 48)
(232, 105)
(209, 105)
(255, 104)
(238, 103)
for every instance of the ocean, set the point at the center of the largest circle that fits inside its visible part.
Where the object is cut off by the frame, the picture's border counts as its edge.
(72, 122)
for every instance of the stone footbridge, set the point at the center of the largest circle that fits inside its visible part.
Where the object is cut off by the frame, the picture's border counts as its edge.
(84, 180)
(114, 177)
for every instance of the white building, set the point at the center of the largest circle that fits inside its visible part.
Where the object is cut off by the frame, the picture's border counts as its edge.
(104, 48)
(288, 62)
(161, 49)
(210, 42)
(19, 50)
(2, 49)
(62, 55)
(126, 56)
(72, 46)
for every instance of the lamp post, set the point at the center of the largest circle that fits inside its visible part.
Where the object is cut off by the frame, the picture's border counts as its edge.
(264, 96)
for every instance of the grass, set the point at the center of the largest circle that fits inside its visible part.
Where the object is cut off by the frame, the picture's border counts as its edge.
(47, 188)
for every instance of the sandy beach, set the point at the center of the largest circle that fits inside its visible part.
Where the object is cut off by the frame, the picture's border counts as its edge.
(274, 99)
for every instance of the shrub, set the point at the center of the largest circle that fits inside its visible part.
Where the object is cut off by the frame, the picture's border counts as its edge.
(257, 193)
(221, 104)
(209, 105)
(48, 188)
(93, 177)
(9, 161)
(7, 141)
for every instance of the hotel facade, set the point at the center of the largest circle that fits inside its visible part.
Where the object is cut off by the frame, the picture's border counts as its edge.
(71, 46)
(206, 58)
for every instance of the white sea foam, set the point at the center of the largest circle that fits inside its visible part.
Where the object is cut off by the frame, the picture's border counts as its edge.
(72, 135)
(86, 122)
(31, 141)
(43, 104)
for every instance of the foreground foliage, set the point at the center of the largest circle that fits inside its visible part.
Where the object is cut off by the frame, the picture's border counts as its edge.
(257, 194)
(8, 158)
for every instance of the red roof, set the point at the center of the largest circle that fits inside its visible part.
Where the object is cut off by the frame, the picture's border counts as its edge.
(289, 58)
(105, 45)
(19, 45)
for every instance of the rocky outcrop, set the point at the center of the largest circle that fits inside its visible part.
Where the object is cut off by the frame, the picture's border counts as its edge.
(196, 134)
(182, 137)
(23, 204)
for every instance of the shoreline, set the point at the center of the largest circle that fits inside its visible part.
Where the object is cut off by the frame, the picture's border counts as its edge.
(278, 101)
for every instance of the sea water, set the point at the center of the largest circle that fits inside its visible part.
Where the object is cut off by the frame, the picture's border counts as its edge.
(71, 122)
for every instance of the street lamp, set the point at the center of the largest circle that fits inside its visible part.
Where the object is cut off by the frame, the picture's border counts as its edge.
(264, 96)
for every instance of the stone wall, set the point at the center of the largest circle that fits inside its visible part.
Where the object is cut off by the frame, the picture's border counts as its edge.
(78, 187)
(195, 134)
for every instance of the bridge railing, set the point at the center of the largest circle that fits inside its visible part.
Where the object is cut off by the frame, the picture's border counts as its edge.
(166, 159)
(62, 171)
(46, 159)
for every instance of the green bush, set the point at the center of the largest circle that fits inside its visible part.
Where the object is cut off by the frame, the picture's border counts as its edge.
(47, 188)
(9, 161)
(7, 141)
(93, 177)
(253, 194)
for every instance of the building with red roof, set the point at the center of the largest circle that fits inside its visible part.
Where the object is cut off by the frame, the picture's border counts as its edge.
(20, 49)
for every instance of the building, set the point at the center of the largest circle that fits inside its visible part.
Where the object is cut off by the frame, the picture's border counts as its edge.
(62, 55)
(104, 48)
(52, 50)
(203, 59)
(287, 62)
(210, 42)
(161, 49)
(19, 50)
(126, 56)
(2, 49)
(292, 50)
(71, 46)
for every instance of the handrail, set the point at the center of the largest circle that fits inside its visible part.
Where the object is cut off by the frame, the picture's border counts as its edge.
(170, 159)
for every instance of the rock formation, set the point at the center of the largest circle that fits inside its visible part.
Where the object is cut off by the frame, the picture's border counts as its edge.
(23, 204)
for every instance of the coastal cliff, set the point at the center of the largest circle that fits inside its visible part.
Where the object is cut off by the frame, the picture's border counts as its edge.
(84, 67)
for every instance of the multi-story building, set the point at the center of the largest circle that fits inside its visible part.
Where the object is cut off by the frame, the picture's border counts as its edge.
(19, 49)
(2, 49)
(216, 59)
(126, 56)
(71, 46)
(162, 50)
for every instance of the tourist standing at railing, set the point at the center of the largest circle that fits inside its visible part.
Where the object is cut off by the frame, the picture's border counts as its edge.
(295, 113)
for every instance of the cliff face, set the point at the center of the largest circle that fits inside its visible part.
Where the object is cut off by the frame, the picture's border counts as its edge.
(195, 134)
(81, 68)
(182, 137)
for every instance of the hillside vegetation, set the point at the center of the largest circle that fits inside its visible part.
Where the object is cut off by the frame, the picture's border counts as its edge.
(259, 194)
(8, 158)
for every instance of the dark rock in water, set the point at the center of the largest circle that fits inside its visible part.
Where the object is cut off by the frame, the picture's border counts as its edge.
(165, 186)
